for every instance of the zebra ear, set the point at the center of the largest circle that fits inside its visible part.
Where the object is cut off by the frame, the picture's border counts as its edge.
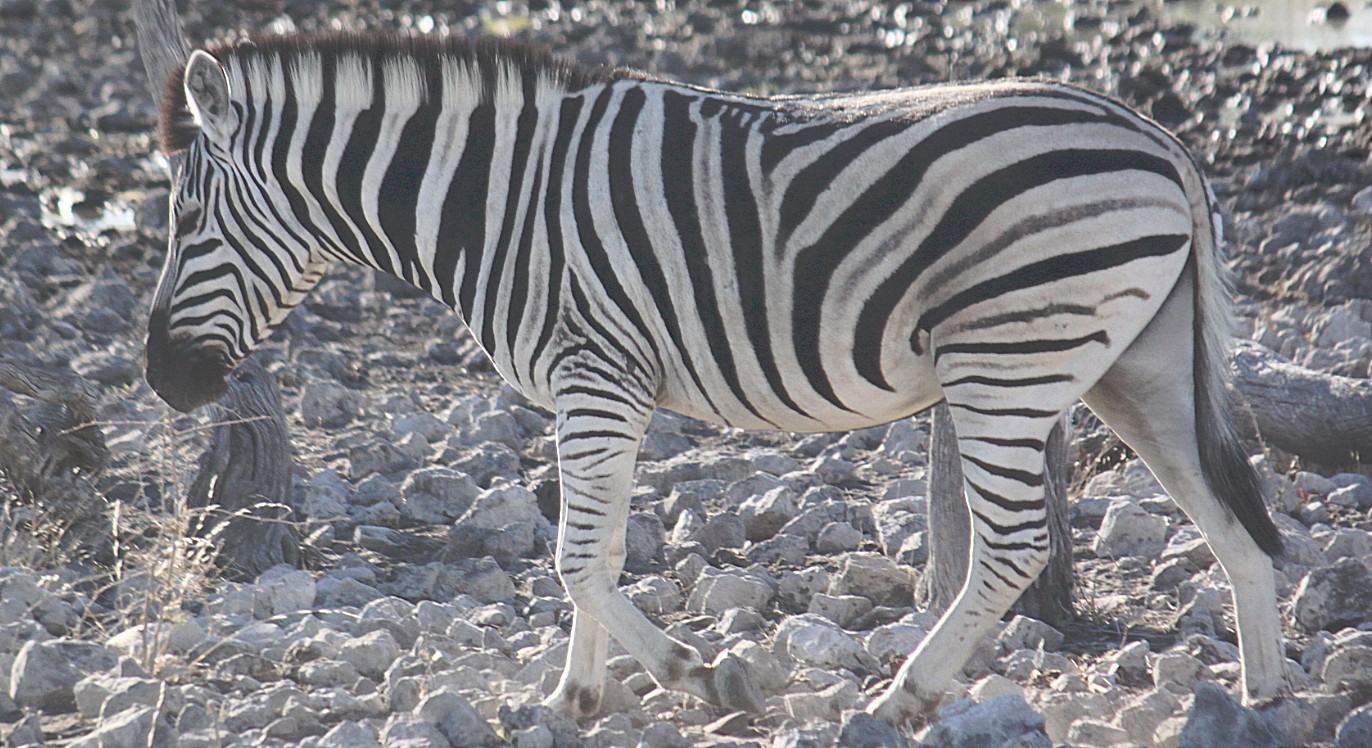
(207, 95)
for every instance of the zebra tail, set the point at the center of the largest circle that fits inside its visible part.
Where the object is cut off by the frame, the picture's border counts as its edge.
(1224, 462)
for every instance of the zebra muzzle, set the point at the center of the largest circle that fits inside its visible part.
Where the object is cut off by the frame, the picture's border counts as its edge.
(184, 376)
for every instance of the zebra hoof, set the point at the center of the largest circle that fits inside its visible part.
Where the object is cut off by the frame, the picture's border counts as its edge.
(899, 708)
(576, 702)
(732, 686)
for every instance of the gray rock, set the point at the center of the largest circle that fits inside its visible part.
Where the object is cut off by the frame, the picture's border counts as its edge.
(1313, 513)
(325, 495)
(1347, 668)
(343, 591)
(1349, 542)
(896, 520)
(763, 515)
(875, 577)
(426, 424)
(827, 704)
(1334, 596)
(483, 579)
(655, 595)
(788, 550)
(1141, 716)
(1060, 710)
(492, 427)
(105, 694)
(814, 735)
(643, 539)
(1191, 548)
(437, 495)
(893, 642)
(503, 522)
(135, 726)
(533, 736)
(1355, 496)
(457, 719)
(282, 590)
(690, 496)
(740, 620)
(1128, 530)
(1362, 204)
(405, 731)
(28, 731)
(818, 642)
(386, 458)
(484, 463)
(862, 730)
(1167, 575)
(1094, 732)
(1203, 613)
(1340, 325)
(772, 462)
(1024, 632)
(661, 445)
(1006, 721)
(838, 537)
(835, 471)
(325, 673)
(719, 532)
(563, 728)
(44, 674)
(795, 588)
(717, 591)
(1355, 731)
(327, 405)
(842, 610)
(1216, 719)
(813, 517)
(663, 734)
(383, 540)
(755, 484)
(371, 653)
(1178, 672)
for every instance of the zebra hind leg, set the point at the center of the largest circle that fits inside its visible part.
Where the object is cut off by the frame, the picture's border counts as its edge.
(1153, 410)
(1003, 466)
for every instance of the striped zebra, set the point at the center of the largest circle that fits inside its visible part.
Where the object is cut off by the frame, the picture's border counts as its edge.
(618, 243)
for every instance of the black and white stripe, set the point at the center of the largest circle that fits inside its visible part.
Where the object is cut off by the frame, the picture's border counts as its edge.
(618, 243)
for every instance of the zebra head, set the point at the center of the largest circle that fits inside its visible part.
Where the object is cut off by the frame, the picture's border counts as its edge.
(238, 261)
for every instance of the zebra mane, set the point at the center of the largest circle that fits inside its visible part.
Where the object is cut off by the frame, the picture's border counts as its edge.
(485, 56)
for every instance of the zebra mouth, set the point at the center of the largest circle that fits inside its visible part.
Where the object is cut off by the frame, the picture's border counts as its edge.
(185, 377)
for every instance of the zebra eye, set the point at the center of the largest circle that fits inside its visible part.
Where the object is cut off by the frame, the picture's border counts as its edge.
(187, 221)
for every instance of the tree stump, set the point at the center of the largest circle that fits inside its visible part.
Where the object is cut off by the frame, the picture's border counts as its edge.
(51, 449)
(1318, 417)
(244, 478)
(1049, 598)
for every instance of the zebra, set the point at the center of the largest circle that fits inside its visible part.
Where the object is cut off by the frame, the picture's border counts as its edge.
(618, 242)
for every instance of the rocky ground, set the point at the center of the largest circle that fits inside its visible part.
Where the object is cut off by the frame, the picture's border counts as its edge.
(796, 553)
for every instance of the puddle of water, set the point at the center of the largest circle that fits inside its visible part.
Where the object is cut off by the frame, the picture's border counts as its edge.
(1296, 24)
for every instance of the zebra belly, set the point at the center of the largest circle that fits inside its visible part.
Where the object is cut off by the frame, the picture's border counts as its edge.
(915, 388)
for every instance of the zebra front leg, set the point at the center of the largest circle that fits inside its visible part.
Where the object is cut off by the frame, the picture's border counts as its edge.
(582, 684)
(1003, 467)
(598, 437)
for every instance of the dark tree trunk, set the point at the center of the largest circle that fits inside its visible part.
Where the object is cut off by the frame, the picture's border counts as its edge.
(1319, 417)
(244, 481)
(1049, 598)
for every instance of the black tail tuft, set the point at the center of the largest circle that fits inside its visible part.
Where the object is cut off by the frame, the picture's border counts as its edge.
(1233, 479)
